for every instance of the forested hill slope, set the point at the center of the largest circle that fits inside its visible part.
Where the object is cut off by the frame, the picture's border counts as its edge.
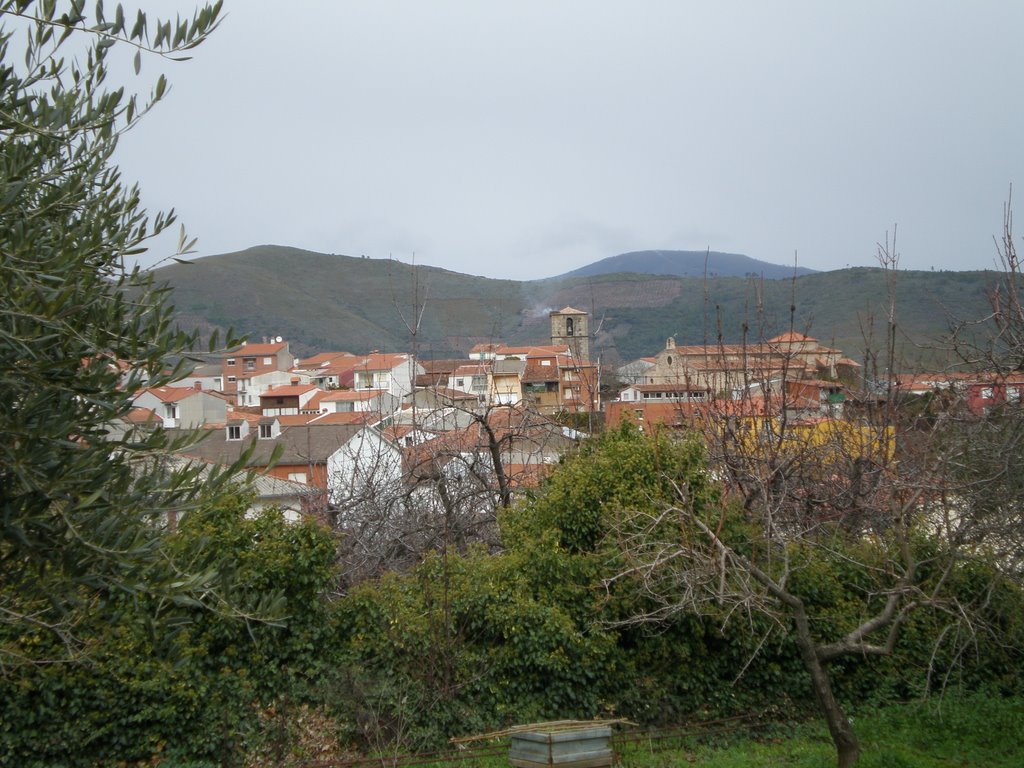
(326, 302)
(689, 264)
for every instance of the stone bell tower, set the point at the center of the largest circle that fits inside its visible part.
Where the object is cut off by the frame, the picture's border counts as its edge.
(572, 327)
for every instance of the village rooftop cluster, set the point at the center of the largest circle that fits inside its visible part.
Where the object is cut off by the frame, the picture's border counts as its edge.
(319, 432)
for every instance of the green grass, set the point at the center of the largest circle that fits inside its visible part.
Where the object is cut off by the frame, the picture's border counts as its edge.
(978, 731)
(973, 732)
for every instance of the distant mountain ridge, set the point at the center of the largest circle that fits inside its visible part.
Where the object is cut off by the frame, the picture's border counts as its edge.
(322, 302)
(688, 264)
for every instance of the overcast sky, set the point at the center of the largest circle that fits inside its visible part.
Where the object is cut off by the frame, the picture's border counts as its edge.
(526, 139)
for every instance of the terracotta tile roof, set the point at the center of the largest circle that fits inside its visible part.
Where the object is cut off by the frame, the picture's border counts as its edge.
(289, 390)
(379, 361)
(476, 368)
(687, 413)
(239, 415)
(142, 416)
(248, 350)
(296, 419)
(527, 475)
(172, 394)
(324, 359)
(790, 337)
(441, 366)
(396, 432)
(535, 372)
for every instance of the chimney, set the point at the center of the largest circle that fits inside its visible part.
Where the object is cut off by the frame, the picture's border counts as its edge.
(295, 380)
(198, 386)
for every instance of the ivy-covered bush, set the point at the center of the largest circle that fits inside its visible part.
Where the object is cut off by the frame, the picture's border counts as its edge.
(194, 693)
(469, 644)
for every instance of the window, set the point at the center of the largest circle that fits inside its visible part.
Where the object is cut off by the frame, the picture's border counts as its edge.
(297, 477)
(460, 383)
(230, 361)
(249, 363)
(986, 393)
(567, 393)
(234, 432)
(170, 410)
(1013, 394)
(266, 431)
(232, 379)
(568, 326)
(268, 361)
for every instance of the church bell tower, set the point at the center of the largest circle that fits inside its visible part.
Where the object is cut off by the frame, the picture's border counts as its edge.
(571, 327)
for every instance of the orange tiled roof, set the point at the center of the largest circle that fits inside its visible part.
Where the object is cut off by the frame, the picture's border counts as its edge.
(247, 350)
(536, 372)
(379, 361)
(323, 359)
(239, 415)
(476, 368)
(790, 337)
(289, 390)
(172, 394)
(142, 416)
(295, 419)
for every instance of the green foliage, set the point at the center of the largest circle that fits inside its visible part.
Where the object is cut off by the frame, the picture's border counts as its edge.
(194, 693)
(621, 469)
(465, 644)
(80, 498)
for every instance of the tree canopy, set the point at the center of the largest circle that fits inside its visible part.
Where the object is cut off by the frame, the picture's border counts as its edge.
(82, 328)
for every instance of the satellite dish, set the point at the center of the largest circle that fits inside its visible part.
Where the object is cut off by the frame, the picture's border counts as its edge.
(278, 339)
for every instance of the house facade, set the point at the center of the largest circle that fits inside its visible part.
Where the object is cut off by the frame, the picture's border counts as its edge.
(242, 364)
(394, 373)
(182, 407)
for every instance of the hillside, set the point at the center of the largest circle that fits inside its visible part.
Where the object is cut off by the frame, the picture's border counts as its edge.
(688, 264)
(322, 302)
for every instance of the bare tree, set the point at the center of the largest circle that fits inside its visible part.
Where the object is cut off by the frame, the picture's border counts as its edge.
(863, 492)
(435, 483)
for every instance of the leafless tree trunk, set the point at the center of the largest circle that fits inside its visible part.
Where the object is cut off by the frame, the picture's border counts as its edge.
(829, 486)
